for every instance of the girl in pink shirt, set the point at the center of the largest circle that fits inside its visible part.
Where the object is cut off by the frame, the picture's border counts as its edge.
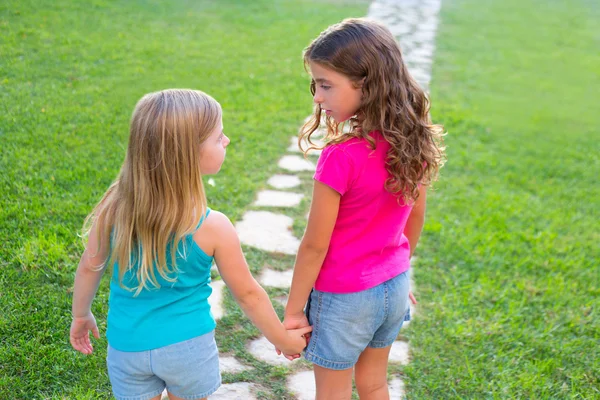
(368, 206)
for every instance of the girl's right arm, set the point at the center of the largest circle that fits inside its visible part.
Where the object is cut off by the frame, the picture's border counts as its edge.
(87, 279)
(251, 297)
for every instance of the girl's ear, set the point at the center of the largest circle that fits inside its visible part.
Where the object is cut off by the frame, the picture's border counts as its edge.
(359, 84)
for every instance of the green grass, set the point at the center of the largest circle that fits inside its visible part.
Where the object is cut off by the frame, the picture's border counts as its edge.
(508, 274)
(70, 75)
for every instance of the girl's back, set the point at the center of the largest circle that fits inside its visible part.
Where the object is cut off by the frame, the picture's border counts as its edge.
(175, 311)
(367, 246)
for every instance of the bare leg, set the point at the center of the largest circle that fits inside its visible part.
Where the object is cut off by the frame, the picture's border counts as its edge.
(371, 374)
(332, 384)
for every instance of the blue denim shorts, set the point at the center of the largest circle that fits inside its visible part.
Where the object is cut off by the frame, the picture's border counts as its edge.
(345, 324)
(188, 369)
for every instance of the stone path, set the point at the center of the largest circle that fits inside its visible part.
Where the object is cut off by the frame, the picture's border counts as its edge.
(414, 23)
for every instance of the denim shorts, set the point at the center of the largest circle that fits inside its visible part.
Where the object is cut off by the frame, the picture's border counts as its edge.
(345, 324)
(188, 369)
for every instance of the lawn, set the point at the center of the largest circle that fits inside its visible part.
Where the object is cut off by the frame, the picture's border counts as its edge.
(70, 75)
(508, 276)
(508, 273)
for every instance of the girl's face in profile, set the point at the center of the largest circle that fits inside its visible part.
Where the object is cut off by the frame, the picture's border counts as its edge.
(335, 93)
(212, 152)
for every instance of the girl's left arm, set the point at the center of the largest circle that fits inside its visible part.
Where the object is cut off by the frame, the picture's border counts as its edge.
(313, 248)
(87, 279)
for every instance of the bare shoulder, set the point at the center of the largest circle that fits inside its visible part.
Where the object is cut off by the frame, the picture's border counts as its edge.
(213, 230)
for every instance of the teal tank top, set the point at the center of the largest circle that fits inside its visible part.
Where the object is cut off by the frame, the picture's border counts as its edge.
(158, 317)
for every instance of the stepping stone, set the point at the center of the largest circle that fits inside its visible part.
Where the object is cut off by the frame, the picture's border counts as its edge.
(216, 299)
(399, 352)
(278, 279)
(273, 198)
(235, 391)
(302, 385)
(295, 149)
(396, 389)
(231, 365)
(281, 299)
(262, 349)
(296, 164)
(284, 181)
(268, 231)
(400, 29)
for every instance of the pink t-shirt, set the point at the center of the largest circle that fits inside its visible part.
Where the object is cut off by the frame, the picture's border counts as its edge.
(367, 246)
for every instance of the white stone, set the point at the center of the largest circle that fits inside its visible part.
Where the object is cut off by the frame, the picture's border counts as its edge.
(296, 164)
(262, 349)
(399, 352)
(279, 279)
(268, 231)
(274, 198)
(302, 384)
(295, 149)
(231, 365)
(281, 299)
(396, 389)
(400, 29)
(235, 391)
(284, 181)
(216, 299)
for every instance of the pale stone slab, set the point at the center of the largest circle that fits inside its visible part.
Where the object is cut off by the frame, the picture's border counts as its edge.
(262, 349)
(281, 299)
(296, 164)
(216, 299)
(295, 149)
(399, 352)
(396, 386)
(284, 181)
(411, 22)
(274, 198)
(302, 385)
(235, 391)
(268, 231)
(231, 365)
(279, 279)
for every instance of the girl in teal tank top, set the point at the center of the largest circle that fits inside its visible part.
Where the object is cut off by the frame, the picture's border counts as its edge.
(154, 231)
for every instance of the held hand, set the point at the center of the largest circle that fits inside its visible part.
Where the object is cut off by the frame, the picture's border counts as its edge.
(295, 343)
(80, 333)
(295, 321)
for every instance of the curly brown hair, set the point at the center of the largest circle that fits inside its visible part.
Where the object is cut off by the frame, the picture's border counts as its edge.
(392, 103)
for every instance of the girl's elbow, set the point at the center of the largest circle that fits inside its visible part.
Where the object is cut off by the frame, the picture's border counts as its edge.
(316, 249)
(250, 297)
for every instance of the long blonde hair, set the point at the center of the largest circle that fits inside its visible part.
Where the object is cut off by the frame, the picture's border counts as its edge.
(392, 102)
(158, 196)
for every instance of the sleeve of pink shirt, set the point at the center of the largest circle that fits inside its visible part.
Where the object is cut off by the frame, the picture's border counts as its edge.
(334, 169)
